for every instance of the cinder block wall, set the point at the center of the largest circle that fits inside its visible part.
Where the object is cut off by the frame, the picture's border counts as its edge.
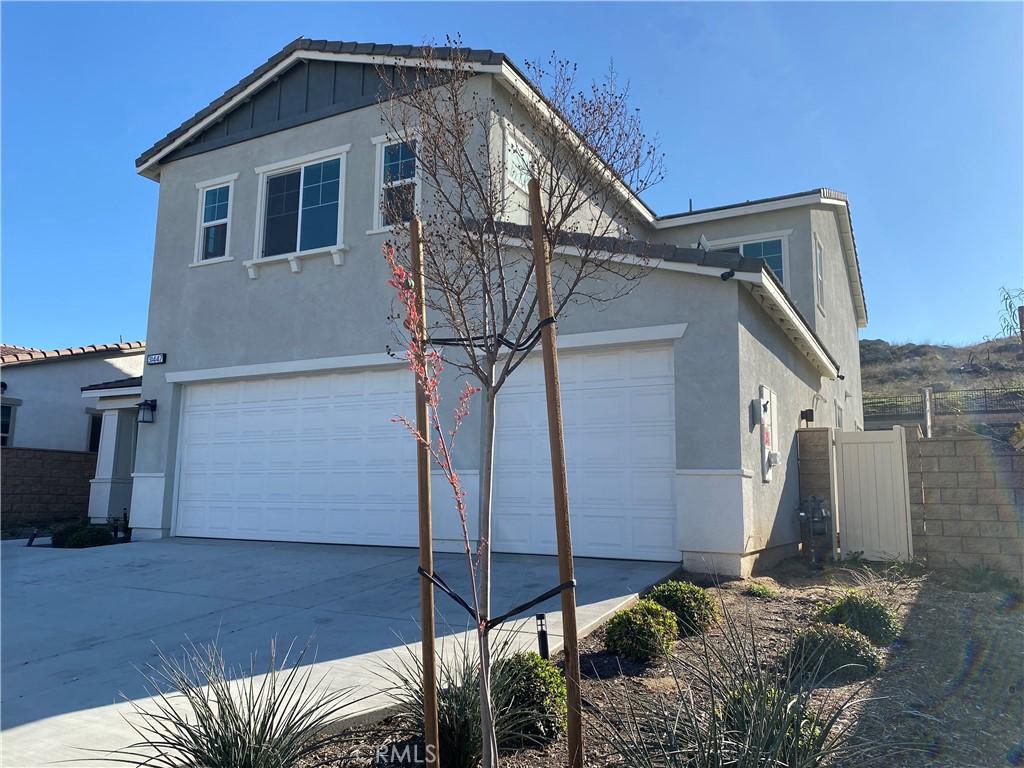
(39, 488)
(967, 498)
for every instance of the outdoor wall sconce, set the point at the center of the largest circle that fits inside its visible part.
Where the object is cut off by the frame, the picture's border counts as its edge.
(807, 415)
(147, 411)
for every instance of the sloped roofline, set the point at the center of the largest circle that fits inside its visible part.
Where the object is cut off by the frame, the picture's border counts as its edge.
(840, 205)
(484, 61)
(39, 355)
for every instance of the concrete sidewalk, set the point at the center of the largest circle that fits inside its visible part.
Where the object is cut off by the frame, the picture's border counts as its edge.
(76, 623)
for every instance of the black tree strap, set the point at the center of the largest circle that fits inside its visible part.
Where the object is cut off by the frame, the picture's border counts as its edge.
(481, 341)
(492, 623)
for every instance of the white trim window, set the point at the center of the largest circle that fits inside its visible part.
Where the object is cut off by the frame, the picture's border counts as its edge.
(213, 225)
(770, 247)
(771, 252)
(839, 416)
(819, 273)
(397, 190)
(6, 423)
(301, 206)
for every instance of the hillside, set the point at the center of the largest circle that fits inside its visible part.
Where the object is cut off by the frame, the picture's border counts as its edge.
(906, 368)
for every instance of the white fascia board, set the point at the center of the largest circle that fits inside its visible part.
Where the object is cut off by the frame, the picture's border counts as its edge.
(113, 392)
(797, 329)
(284, 367)
(684, 219)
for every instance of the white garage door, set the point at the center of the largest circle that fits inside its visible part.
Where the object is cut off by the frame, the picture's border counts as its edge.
(299, 458)
(618, 410)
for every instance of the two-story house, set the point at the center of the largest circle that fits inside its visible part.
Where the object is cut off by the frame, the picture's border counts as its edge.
(274, 405)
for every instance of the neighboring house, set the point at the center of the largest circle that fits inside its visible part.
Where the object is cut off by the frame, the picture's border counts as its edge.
(42, 400)
(274, 406)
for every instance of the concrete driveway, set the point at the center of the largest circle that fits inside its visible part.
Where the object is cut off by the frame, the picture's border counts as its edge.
(76, 623)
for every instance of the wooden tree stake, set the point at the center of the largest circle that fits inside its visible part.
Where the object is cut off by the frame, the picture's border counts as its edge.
(426, 528)
(561, 490)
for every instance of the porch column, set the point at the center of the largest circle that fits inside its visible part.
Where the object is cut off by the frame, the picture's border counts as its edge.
(110, 491)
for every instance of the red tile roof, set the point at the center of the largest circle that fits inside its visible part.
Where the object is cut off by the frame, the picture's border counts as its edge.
(25, 355)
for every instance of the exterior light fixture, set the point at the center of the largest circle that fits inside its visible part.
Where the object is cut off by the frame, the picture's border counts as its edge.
(542, 636)
(147, 411)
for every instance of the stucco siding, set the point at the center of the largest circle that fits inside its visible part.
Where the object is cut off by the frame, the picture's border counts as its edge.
(767, 357)
(52, 413)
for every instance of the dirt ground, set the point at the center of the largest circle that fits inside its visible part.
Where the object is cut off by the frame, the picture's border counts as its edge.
(951, 692)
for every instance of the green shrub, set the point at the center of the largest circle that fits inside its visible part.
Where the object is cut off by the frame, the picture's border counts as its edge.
(200, 712)
(694, 607)
(731, 706)
(833, 651)
(81, 535)
(863, 613)
(642, 632)
(760, 591)
(533, 687)
(529, 706)
(791, 729)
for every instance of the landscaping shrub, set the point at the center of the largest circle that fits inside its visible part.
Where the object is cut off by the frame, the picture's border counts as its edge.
(835, 652)
(642, 632)
(204, 713)
(81, 535)
(694, 607)
(731, 706)
(760, 591)
(533, 687)
(529, 705)
(781, 723)
(863, 613)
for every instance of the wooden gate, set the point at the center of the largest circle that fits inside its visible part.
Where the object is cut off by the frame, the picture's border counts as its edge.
(873, 494)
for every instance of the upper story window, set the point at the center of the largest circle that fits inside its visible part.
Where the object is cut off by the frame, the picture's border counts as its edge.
(819, 273)
(214, 231)
(518, 162)
(839, 416)
(769, 251)
(397, 186)
(302, 210)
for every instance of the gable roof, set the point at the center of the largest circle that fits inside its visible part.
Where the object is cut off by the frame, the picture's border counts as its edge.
(129, 383)
(483, 60)
(39, 355)
(822, 196)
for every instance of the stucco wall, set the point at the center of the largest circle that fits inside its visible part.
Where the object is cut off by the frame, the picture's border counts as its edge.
(52, 413)
(768, 357)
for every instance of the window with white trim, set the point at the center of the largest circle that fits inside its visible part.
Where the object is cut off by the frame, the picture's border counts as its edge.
(213, 230)
(819, 272)
(397, 183)
(839, 416)
(769, 251)
(302, 209)
(518, 163)
(6, 424)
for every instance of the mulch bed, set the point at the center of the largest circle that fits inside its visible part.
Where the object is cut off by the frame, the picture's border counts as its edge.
(951, 692)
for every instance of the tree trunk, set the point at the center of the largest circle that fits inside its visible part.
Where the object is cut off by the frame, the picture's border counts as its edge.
(487, 428)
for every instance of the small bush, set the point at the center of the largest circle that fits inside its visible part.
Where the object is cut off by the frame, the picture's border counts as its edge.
(529, 706)
(760, 591)
(533, 687)
(642, 632)
(81, 535)
(863, 613)
(793, 731)
(694, 607)
(833, 651)
(201, 712)
(729, 706)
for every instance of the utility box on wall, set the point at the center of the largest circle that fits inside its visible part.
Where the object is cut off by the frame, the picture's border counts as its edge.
(766, 420)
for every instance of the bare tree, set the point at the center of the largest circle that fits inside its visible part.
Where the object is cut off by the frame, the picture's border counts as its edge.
(476, 144)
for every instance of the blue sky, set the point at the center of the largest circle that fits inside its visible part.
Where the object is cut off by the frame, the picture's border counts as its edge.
(914, 110)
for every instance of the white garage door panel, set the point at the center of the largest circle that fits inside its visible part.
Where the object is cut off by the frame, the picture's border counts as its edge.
(618, 411)
(299, 458)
